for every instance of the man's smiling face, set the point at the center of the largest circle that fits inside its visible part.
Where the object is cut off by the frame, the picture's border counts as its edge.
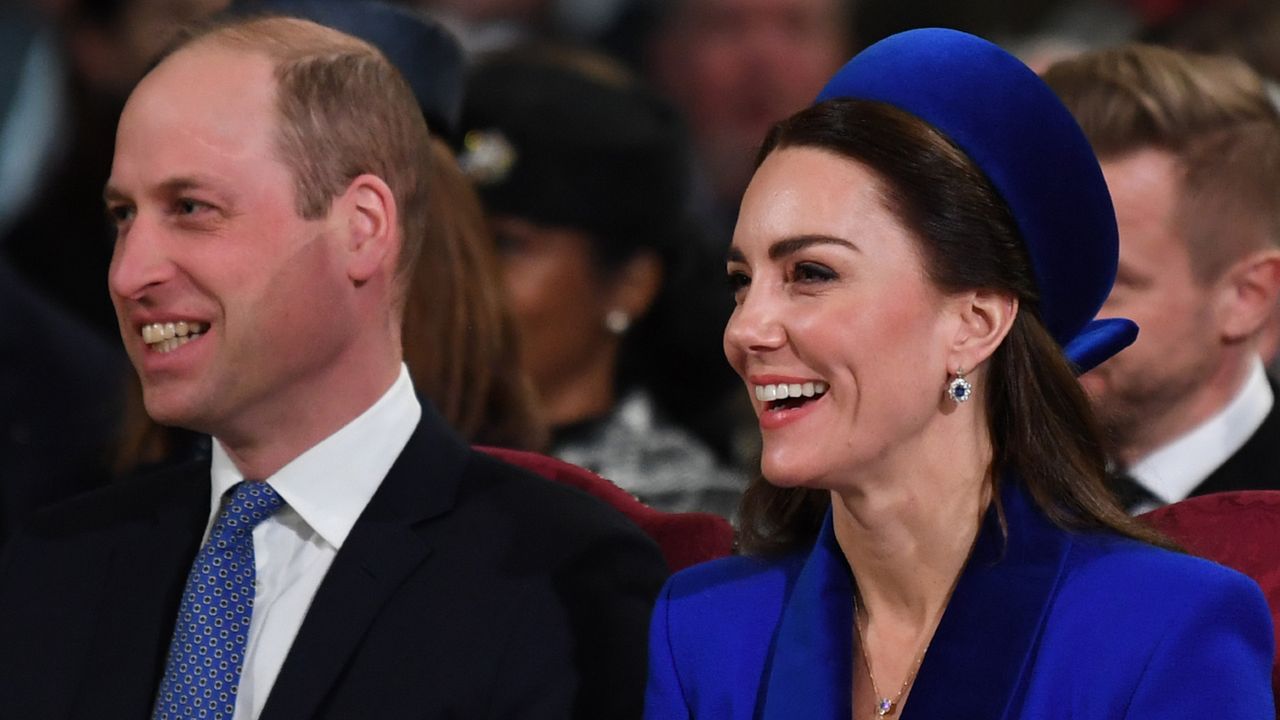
(209, 241)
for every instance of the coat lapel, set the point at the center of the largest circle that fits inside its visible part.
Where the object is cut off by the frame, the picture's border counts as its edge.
(984, 644)
(975, 663)
(144, 570)
(385, 545)
(811, 669)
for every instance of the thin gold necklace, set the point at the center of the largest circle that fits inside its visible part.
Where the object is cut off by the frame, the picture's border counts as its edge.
(884, 706)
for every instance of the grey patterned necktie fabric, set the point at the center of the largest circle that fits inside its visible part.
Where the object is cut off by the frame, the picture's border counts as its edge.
(206, 654)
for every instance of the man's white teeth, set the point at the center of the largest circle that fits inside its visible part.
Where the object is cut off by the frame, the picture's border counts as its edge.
(782, 391)
(169, 336)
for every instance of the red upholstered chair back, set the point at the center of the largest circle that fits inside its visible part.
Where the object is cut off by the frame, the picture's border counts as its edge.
(1238, 529)
(685, 538)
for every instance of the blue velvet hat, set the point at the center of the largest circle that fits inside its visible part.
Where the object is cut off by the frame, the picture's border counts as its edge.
(1021, 136)
(427, 55)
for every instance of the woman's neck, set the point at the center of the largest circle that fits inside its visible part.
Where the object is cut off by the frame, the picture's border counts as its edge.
(906, 530)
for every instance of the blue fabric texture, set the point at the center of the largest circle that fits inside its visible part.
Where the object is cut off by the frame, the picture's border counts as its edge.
(1021, 136)
(206, 654)
(1045, 625)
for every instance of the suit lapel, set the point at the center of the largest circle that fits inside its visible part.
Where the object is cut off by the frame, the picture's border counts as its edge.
(145, 568)
(984, 643)
(385, 545)
(1255, 465)
(811, 668)
(975, 663)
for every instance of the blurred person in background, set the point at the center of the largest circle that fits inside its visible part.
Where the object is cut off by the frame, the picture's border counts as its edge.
(618, 28)
(1249, 30)
(735, 67)
(1190, 147)
(60, 390)
(583, 175)
(96, 50)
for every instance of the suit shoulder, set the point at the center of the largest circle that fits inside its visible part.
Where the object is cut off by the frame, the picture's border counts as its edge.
(120, 502)
(738, 591)
(543, 508)
(1146, 569)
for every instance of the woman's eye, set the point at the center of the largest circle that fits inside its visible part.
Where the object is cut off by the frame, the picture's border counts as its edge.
(737, 281)
(812, 272)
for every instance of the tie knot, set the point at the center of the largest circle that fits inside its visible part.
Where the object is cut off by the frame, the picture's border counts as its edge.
(249, 503)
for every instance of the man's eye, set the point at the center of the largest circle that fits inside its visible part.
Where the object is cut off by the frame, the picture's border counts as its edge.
(120, 214)
(187, 206)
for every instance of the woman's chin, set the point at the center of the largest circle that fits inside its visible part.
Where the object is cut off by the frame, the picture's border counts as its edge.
(790, 475)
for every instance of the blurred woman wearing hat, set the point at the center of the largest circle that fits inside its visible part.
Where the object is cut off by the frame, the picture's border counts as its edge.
(916, 267)
(583, 175)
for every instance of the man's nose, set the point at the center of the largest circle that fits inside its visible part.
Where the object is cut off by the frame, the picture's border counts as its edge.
(141, 259)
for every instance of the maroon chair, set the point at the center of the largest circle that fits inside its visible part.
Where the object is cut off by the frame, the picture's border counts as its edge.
(1238, 529)
(684, 538)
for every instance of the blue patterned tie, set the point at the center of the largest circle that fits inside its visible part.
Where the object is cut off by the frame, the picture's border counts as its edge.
(206, 653)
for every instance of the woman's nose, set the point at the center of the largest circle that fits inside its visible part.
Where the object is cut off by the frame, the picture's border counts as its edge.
(755, 325)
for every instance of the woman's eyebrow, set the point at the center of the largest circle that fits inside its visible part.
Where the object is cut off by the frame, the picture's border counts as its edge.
(792, 245)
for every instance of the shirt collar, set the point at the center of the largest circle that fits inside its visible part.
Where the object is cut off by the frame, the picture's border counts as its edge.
(329, 485)
(1172, 472)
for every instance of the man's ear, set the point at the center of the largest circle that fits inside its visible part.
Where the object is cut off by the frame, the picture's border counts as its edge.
(372, 227)
(985, 318)
(1247, 294)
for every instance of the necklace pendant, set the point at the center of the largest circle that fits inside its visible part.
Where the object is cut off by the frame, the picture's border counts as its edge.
(884, 708)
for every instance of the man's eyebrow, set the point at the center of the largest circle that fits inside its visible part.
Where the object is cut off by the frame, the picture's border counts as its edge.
(172, 186)
(111, 193)
(793, 245)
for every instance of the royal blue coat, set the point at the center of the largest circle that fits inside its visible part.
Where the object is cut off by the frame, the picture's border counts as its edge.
(1051, 624)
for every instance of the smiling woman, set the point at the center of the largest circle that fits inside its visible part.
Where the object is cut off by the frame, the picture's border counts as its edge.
(936, 230)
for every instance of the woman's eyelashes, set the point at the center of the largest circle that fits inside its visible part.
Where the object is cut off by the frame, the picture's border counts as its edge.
(803, 273)
(808, 272)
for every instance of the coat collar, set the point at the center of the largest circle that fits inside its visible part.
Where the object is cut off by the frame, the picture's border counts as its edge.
(388, 542)
(975, 664)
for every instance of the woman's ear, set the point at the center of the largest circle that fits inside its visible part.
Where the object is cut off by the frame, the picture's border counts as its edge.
(636, 285)
(985, 318)
(373, 238)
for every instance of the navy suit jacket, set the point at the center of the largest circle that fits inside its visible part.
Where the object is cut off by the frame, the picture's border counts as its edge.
(468, 588)
(1051, 624)
(61, 388)
(1256, 465)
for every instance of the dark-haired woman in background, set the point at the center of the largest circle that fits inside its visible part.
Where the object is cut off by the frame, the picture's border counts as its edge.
(934, 539)
(583, 174)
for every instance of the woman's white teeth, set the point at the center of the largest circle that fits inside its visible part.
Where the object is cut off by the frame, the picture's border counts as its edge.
(782, 391)
(169, 336)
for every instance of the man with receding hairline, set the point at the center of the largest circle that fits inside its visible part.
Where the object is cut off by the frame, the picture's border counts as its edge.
(342, 554)
(1190, 147)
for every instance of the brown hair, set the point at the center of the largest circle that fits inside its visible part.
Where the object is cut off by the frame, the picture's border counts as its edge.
(459, 336)
(344, 111)
(1212, 113)
(1042, 430)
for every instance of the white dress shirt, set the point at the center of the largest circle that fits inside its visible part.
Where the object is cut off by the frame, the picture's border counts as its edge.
(1173, 471)
(325, 488)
